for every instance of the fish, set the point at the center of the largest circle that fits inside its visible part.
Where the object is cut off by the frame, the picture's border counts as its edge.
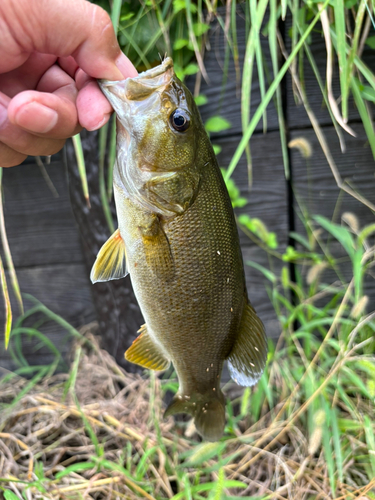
(177, 238)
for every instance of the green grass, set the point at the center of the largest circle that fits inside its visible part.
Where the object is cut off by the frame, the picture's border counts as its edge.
(90, 430)
(306, 428)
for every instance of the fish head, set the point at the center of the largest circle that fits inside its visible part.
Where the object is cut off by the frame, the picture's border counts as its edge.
(158, 127)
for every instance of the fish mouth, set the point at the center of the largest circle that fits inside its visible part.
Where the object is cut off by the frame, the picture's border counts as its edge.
(141, 86)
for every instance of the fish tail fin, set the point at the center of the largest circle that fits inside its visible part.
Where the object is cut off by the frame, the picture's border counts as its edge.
(208, 413)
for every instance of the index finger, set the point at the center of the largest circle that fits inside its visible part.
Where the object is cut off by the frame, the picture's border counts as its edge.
(64, 28)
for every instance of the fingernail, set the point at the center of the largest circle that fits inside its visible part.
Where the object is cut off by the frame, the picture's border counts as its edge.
(125, 66)
(36, 117)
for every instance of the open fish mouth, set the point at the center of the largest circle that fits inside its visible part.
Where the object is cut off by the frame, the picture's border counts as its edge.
(139, 87)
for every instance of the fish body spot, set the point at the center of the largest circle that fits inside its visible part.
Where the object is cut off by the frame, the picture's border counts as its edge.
(256, 349)
(218, 252)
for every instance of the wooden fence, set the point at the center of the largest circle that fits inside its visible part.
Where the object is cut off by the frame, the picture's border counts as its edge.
(54, 241)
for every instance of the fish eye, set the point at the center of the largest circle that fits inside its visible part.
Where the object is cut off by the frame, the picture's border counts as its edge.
(180, 120)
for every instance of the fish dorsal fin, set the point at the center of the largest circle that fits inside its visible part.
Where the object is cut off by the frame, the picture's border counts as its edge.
(248, 357)
(110, 262)
(145, 352)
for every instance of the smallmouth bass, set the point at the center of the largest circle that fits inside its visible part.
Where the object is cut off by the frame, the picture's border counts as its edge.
(178, 239)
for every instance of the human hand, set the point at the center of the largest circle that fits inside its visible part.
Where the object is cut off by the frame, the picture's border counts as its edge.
(51, 53)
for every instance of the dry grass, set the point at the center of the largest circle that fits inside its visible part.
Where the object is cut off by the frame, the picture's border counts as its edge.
(98, 432)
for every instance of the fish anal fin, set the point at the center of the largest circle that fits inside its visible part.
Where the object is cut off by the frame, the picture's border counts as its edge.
(248, 356)
(110, 263)
(145, 352)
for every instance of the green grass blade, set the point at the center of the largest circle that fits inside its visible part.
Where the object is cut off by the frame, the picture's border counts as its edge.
(357, 31)
(364, 114)
(8, 308)
(340, 28)
(111, 159)
(272, 38)
(253, 41)
(370, 440)
(103, 133)
(115, 14)
(257, 115)
(337, 443)
(81, 166)
(71, 382)
(360, 65)
(7, 252)
(78, 467)
(327, 447)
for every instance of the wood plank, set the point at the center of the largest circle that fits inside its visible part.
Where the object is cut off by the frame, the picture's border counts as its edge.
(41, 228)
(314, 183)
(317, 193)
(268, 201)
(225, 100)
(63, 288)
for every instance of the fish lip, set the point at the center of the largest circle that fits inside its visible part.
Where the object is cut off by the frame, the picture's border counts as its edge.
(161, 74)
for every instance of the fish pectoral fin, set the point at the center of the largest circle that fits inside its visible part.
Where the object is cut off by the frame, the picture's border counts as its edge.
(158, 251)
(110, 263)
(248, 357)
(145, 352)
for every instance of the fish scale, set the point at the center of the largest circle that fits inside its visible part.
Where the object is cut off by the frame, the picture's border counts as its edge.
(179, 238)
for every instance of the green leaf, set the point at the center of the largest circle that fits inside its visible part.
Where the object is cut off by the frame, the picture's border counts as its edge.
(202, 453)
(216, 148)
(179, 5)
(266, 272)
(217, 124)
(200, 28)
(371, 39)
(370, 439)
(78, 467)
(339, 232)
(368, 93)
(9, 495)
(240, 202)
(300, 239)
(180, 43)
(327, 447)
(127, 16)
(191, 69)
(200, 100)
(341, 54)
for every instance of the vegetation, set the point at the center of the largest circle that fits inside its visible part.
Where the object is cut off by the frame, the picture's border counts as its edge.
(307, 429)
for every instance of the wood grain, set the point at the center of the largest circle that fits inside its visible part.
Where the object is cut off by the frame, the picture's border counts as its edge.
(41, 228)
(268, 201)
(316, 191)
(63, 288)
